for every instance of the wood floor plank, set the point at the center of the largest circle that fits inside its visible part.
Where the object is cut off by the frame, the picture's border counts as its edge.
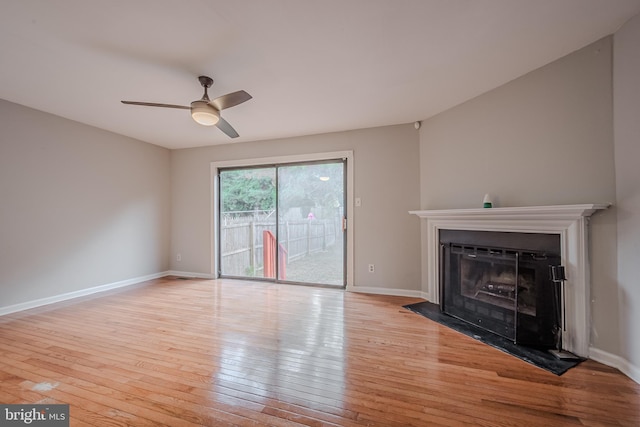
(222, 352)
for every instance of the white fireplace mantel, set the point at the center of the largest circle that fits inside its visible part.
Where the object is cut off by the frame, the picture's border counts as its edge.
(569, 221)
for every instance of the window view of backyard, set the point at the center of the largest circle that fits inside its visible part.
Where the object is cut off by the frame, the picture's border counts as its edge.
(307, 243)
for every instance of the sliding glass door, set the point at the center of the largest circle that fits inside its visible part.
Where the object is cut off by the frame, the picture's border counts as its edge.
(283, 223)
(247, 211)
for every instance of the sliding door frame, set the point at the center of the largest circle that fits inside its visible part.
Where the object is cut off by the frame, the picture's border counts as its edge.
(283, 160)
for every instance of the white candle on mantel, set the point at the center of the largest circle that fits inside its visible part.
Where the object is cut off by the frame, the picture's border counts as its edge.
(486, 202)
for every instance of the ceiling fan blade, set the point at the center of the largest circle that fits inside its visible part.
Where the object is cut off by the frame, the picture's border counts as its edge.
(225, 127)
(230, 100)
(152, 104)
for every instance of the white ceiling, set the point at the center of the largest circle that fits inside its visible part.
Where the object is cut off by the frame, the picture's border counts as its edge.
(311, 66)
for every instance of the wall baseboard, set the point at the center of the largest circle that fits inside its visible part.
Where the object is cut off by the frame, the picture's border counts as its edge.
(189, 274)
(386, 291)
(129, 282)
(79, 293)
(615, 361)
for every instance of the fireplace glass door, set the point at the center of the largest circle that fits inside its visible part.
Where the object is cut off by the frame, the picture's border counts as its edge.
(505, 291)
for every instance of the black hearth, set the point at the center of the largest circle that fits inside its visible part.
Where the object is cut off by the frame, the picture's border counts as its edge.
(500, 282)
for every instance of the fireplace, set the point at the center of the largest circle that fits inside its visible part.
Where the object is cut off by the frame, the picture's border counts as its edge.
(500, 282)
(569, 222)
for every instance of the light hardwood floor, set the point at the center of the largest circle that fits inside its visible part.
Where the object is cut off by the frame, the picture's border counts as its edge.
(219, 352)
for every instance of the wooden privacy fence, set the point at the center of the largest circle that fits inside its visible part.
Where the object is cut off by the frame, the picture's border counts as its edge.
(243, 246)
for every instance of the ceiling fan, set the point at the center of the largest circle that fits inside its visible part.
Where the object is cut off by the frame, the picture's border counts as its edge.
(205, 111)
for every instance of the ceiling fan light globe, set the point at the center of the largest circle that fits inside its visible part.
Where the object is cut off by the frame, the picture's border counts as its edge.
(204, 114)
(204, 118)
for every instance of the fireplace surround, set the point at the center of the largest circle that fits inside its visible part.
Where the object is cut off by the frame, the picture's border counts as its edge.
(569, 222)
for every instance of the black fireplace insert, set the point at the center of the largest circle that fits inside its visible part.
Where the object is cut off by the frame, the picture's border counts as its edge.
(500, 281)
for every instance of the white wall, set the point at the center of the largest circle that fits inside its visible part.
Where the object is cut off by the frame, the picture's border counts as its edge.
(627, 155)
(386, 169)
(79, 207)
(545, 138)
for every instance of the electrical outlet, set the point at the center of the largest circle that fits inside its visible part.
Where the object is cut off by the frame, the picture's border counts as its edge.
(372, 268)
(179, 257)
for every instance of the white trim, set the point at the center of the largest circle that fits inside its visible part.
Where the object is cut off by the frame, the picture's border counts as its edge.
(386, 291)
(348, 155)
(519, 212)
(215, 220)
(79, 293)
(617, 362)
(569, 221)
(190, 274)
